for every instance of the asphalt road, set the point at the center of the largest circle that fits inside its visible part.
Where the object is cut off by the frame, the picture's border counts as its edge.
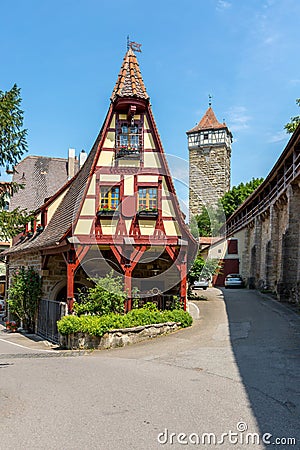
(238, 367)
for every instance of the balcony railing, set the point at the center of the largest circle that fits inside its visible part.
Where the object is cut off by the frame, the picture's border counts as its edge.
(128, 152)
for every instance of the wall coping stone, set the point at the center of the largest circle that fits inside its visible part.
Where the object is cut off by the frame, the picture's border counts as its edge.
(119, 337)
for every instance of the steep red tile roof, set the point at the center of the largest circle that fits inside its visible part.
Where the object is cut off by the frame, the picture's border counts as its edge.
(208, 121)
(130, 82)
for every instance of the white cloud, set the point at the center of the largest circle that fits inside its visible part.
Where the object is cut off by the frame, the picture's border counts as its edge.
(223, 4)
(238, 118)
(279, 136)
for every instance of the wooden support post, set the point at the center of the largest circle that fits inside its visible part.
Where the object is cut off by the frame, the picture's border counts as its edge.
(128, 288)
(183, 285)
(70, 286)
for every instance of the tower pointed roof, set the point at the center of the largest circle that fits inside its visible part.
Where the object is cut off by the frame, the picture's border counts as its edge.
(208, 121)
(130, 82)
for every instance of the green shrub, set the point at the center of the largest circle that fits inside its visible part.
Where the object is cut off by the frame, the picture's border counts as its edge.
(99, 325)
(24, 295)
(106, 296)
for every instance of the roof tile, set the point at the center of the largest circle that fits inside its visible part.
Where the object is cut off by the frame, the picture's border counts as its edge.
(130, 82)
(208, 121)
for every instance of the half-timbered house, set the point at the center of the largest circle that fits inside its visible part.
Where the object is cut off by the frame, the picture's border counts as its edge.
(120, 211)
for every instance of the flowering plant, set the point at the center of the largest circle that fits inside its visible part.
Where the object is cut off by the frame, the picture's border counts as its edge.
(11, 326)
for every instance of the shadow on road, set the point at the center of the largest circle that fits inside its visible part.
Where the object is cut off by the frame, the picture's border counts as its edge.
(265, 338)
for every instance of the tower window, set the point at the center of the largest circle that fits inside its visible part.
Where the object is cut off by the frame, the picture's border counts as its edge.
(205, 136)
(147, 199)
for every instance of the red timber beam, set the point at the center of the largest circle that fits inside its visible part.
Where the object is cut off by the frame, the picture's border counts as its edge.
(127, 262)
(72, 258)
(180, 259)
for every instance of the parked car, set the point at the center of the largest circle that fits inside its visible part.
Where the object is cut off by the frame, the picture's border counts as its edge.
(200, 284)
(233, 280)
(2, 306)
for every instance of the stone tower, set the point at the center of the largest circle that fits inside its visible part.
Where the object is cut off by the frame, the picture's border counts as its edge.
(209, 145)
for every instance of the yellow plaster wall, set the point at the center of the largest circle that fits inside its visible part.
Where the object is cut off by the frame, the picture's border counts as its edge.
(89, 207)
(147, 227)
(53, 207)
(167, 208)
(151, 159)
(129, 185)
(83, 226)
(147, 178)
(171, 228)
(146, 123)
(164, 190)
(109, 226)
(148, 141)
(110, 140)
(38, 218)
(128, 225)
(92, 186)
(110, 177)
(105, 158)
(113, 122)
(123, 117)
(128, 163)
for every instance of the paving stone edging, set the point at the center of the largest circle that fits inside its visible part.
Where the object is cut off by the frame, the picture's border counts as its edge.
(119, 337)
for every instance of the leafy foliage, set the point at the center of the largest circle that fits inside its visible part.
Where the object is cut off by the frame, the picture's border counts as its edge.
(209, 221)
(292, 125)
(24, 295)
(238, 194)
(13, 222)
(106, 296)
(12, 137)
(202, 269)
(99, 325)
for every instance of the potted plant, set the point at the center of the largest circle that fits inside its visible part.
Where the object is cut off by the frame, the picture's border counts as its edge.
(106, 211)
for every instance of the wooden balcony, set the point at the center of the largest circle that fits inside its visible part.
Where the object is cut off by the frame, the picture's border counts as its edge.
(128, 152)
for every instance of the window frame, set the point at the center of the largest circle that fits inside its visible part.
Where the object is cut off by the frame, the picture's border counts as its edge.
(109, 199)
(147, 199)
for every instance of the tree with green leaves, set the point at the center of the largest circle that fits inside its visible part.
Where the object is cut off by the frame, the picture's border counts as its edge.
(13, 145)
(13, 222)
(238, 194)
(292, 125)
(13, 142)
(208, 222)
(23, 296)
(202, 269)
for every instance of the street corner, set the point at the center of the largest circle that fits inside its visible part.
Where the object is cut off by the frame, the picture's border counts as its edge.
(194, 310)
(25, 341)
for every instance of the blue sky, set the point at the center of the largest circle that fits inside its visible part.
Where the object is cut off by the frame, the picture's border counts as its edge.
(65, 56)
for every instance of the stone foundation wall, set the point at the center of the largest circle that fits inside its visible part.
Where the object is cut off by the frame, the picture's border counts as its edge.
(271, 253)
(117, 338)
(26, 260)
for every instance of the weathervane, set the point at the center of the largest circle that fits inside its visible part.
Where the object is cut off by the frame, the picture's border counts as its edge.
(133, 45)
(209, 99)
